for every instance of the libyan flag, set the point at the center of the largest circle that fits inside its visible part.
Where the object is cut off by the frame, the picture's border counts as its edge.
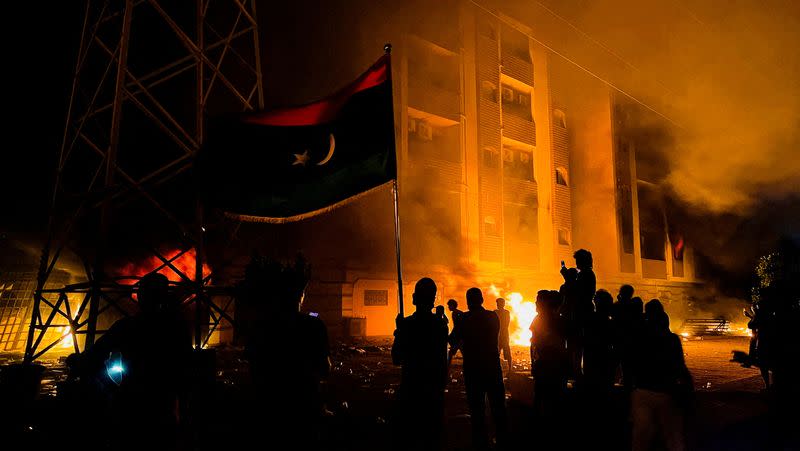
(288, 164)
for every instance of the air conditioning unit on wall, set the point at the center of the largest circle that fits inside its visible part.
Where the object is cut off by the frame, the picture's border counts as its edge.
(424, 131)
(508, 95)
(412, 125)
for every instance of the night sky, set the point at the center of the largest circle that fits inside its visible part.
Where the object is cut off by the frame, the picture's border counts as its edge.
(40, 48)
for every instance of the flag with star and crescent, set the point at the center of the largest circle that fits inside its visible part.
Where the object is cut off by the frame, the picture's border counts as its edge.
(288, 164)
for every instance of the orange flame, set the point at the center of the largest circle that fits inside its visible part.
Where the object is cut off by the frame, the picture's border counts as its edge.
(522, 314)
(184, 263)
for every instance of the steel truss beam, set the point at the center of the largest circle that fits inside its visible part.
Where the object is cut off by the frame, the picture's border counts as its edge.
(107, 86)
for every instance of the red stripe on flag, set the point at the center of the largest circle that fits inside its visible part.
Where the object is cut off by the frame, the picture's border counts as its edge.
(327, 109)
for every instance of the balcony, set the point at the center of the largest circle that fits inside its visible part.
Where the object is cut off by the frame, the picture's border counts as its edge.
(518, 128)
(517, 68)
(520, 192)
(433, 99)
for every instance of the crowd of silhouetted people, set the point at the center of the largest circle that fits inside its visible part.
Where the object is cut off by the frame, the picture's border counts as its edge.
(587, 352)
(581, 340)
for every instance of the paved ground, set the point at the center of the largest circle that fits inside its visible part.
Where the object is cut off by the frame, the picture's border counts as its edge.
(730, 411)
(709, 360)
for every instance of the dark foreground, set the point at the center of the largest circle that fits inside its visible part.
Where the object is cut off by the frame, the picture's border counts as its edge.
(730, 411)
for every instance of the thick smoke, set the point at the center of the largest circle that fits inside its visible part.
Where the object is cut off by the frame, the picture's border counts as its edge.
(726, 76)
(741, 111)
(724, 72)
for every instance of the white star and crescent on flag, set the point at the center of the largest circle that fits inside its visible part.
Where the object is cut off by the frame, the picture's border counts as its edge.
(303, 158)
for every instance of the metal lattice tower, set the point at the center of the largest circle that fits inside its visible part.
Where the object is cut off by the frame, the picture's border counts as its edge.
(146, 75)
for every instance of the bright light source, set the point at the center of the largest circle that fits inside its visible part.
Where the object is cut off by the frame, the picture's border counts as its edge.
(66, 337)
(685, 334)
(114, 368)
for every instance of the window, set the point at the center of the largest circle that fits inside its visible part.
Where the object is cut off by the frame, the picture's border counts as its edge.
(652, 232)
(430, 68)
(678, 245)
(376, 297)
(491, 158)
(515, 43)
(561, 176)
(624, 196)
(563, 237)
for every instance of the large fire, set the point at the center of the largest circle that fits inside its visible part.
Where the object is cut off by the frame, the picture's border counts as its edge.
(522, 314)
(183, 261)
(66, 342)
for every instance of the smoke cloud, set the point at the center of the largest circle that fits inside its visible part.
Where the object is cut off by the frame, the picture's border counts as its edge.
(741, 110)
(723, 71)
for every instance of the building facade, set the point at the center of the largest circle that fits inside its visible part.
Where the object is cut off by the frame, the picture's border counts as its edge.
(510, 159)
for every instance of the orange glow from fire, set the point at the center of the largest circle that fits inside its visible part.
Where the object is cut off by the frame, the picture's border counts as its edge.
(184, 263)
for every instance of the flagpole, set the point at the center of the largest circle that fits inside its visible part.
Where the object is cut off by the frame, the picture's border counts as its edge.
(397, 250)
(388, 49)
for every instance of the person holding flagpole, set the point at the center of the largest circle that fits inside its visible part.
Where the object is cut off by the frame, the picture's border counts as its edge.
(420, 348)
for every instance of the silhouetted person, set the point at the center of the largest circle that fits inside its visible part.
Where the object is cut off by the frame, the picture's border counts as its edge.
(569, 293)
(750, 314)
(662, 385)
(763, 326)
(600, 366)
(504, 340)
(288, 353)
(637, 309)
(440, 313)
(653, 307)
(420, 347)
(585, 287)
(456, 315)
(599, 359)
(477, 333)
(625, 295)
(549, 358)
(627, 315)
(573, 321)
(784, 355)
(152, 352)
(586, 283)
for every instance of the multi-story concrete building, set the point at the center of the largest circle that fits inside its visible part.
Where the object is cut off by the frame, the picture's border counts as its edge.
(511, 158)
